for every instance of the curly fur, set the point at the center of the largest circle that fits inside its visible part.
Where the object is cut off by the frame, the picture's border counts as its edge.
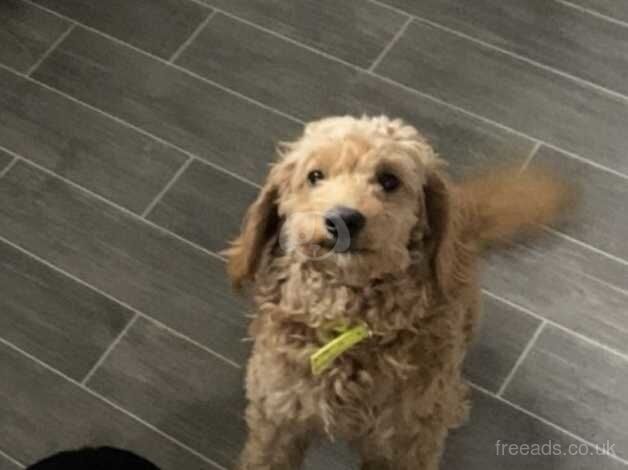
(412, 280)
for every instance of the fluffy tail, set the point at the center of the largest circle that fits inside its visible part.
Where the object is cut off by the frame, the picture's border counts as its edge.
(505, 202)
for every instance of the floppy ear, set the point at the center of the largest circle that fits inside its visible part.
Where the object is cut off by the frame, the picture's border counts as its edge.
(443, 235)
(261, 222)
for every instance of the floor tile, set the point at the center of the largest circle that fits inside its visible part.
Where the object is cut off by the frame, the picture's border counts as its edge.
(190, 113)
(615, 9)
(183, 390)
(55, 319)
(204, 206)
(353, 30)
(122, 256)
(566, 283)
(6, 464)
(156, 26)
(267, 68)
(26, 33)
(326, 454)
(599, 219)
(576, 385)
(43, 413)
(503, 334)
(551, 33)
(492, 422)
(5, 159)
(538, 102)
(310, 86)
(88, 148)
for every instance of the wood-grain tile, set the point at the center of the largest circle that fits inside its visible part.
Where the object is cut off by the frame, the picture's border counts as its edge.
(82, 145)
(196, 116)
(475, 445)
(564, 282)
(55, 319)
(6, 464)
(183, 390)
(551, 33)
(5, 159)
(156, 26)
(301, 82)
(26, 33)
(122, 256)
(576, 385)
(502, 336)
(508, 90)
(353, 30)
(600, 216)
(204, 206)
(615, 9)
(43, 413)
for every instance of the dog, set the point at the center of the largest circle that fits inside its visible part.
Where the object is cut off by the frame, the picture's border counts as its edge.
(362, 254)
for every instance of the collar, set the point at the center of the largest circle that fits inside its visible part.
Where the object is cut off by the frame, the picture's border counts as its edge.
(338, 339)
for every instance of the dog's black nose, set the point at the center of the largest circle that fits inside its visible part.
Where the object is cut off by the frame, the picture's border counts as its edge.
(344, 219)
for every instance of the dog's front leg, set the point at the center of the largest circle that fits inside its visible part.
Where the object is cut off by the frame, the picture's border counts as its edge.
(417, 448)
(272, 444)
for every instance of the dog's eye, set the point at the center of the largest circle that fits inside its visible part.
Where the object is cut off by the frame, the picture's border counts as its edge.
(388, 181)
(314, 176)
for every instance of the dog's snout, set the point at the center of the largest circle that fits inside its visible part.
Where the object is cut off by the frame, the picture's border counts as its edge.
(340, 218)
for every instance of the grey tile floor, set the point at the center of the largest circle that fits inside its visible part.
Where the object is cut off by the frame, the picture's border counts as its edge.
(133, 135)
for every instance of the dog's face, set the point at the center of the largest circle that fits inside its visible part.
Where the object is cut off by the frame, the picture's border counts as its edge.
(351, 200)
(350, 193)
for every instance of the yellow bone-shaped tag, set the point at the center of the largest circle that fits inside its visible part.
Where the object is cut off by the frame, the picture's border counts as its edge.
(325, 356)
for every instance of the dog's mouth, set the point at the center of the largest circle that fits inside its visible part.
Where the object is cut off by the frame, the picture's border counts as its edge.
(329, 246)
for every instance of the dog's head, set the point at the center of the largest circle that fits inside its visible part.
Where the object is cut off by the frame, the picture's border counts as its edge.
(361, 194)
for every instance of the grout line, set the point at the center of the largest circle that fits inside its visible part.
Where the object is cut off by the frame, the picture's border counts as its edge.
(290, 40)
(52, 47)
(289, 116)
(530, 157)
(589, 247)
(12, 459)
(553, 324)
(116, 206)
(391, 44)
(118, 301)
(109, 402)
(532, 62)
(175, 66)
(9, 166)
(575, 156)
(109, 349)
(294, 118)
(589, 11)
(167, 187)
(163, 61)
(543, 420)
(389, 7)
(498, 125)
(516, 55)
(521, 358)
(134, 127)
(192, 37)
(180, 335)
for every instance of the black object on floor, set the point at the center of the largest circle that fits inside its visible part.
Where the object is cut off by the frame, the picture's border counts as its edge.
(102, 458)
